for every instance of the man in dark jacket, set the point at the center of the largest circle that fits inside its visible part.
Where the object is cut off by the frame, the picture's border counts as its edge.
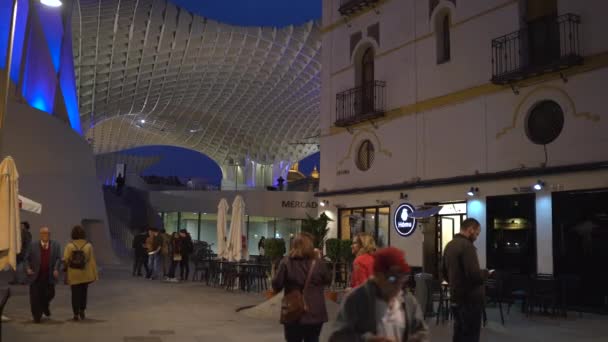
(140, 253)
(26, 241)
(461, 270)
(43, 265)
(186, 249)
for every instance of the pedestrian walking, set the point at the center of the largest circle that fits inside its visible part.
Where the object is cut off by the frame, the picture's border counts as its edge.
(380, 310)
(43, 266)
(186, 250)
(79, 259)
(303, 275)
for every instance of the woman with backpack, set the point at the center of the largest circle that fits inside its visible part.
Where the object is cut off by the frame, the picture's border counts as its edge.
(303, 275)
(81, 266)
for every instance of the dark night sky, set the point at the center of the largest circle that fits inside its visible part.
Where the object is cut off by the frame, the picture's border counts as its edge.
(181, 162)
(255, 12)
(187, 163)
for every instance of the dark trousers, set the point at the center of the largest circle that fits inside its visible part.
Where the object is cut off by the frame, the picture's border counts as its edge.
(467, 322)
(184, 267)
(173, 267)
(141, 260)
(42, 293)
(302, 332)
(79, 298)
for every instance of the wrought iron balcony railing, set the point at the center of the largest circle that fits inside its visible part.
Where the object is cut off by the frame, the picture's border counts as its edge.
(362, 103)
(545, 45)
(349, 7)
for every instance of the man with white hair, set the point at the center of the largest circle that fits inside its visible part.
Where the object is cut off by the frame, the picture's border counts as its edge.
(43, 265)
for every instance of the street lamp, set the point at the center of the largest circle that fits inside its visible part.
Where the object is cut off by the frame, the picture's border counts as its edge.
(51, 3)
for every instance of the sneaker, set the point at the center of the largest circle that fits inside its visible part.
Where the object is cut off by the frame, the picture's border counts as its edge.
(82, 316)
(47, 312)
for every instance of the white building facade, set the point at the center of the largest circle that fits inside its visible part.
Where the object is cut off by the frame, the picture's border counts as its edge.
(424, 101)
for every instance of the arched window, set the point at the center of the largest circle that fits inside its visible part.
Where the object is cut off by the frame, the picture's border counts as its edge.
(367, 81)
(443, 39)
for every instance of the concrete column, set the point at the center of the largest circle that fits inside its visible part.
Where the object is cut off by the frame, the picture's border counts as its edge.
(544, 232)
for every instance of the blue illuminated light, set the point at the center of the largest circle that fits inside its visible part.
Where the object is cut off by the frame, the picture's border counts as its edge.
(67, 82)
(5, 22)
(6, 8)
(50, 19)
(39, 76)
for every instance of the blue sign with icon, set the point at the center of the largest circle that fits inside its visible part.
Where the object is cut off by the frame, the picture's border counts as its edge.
(405, 223)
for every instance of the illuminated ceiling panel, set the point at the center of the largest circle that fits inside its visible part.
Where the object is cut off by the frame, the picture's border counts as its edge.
(150, 73)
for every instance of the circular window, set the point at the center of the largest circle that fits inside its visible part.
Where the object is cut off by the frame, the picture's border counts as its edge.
(365, 156)
(545, 123)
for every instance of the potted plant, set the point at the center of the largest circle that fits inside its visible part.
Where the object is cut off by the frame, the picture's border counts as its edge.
(317, 227)
(274, 250)
(333, 254)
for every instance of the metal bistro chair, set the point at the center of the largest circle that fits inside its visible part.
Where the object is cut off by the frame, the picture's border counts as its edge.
(440, 293)
(570, 285)
(4, 296)
(518, 287)
(495, 293)
(544, 294)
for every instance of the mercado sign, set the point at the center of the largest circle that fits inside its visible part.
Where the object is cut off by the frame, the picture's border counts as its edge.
(300, 204)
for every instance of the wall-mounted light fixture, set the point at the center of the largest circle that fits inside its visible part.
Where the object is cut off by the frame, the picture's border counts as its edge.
(472, 191)
(402, 195)
(324, 203)
(539, 185)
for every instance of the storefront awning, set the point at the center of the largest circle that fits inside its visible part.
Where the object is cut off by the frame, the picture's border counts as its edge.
(29, 205)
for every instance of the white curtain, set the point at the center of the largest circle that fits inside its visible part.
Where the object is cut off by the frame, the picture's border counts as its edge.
(222, 212)
(235, 242)
(10, 230)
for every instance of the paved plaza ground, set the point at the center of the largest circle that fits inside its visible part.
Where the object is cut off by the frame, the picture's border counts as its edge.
(126, 309)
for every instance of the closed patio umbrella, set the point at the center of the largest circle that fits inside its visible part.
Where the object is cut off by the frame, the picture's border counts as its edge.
(235, 242)
(222, 212)
(10, 230)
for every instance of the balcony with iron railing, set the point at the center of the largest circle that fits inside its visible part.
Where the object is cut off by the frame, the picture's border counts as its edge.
(359, 104)
(545, 45)
(350, 7)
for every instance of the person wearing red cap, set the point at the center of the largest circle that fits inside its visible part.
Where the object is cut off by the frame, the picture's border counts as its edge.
(380, 310)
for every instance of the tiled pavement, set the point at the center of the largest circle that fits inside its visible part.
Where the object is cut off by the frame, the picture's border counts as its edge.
(125, 309)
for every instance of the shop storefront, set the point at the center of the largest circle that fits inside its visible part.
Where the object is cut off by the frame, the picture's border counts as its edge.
(202, 227)
(372, 220)
(557, 227)
(267, 214)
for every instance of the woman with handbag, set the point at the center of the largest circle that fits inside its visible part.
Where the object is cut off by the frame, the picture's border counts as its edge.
(303, 275)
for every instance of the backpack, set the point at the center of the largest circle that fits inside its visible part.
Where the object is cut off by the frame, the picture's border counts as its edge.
(78, 259)
(293, 304)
